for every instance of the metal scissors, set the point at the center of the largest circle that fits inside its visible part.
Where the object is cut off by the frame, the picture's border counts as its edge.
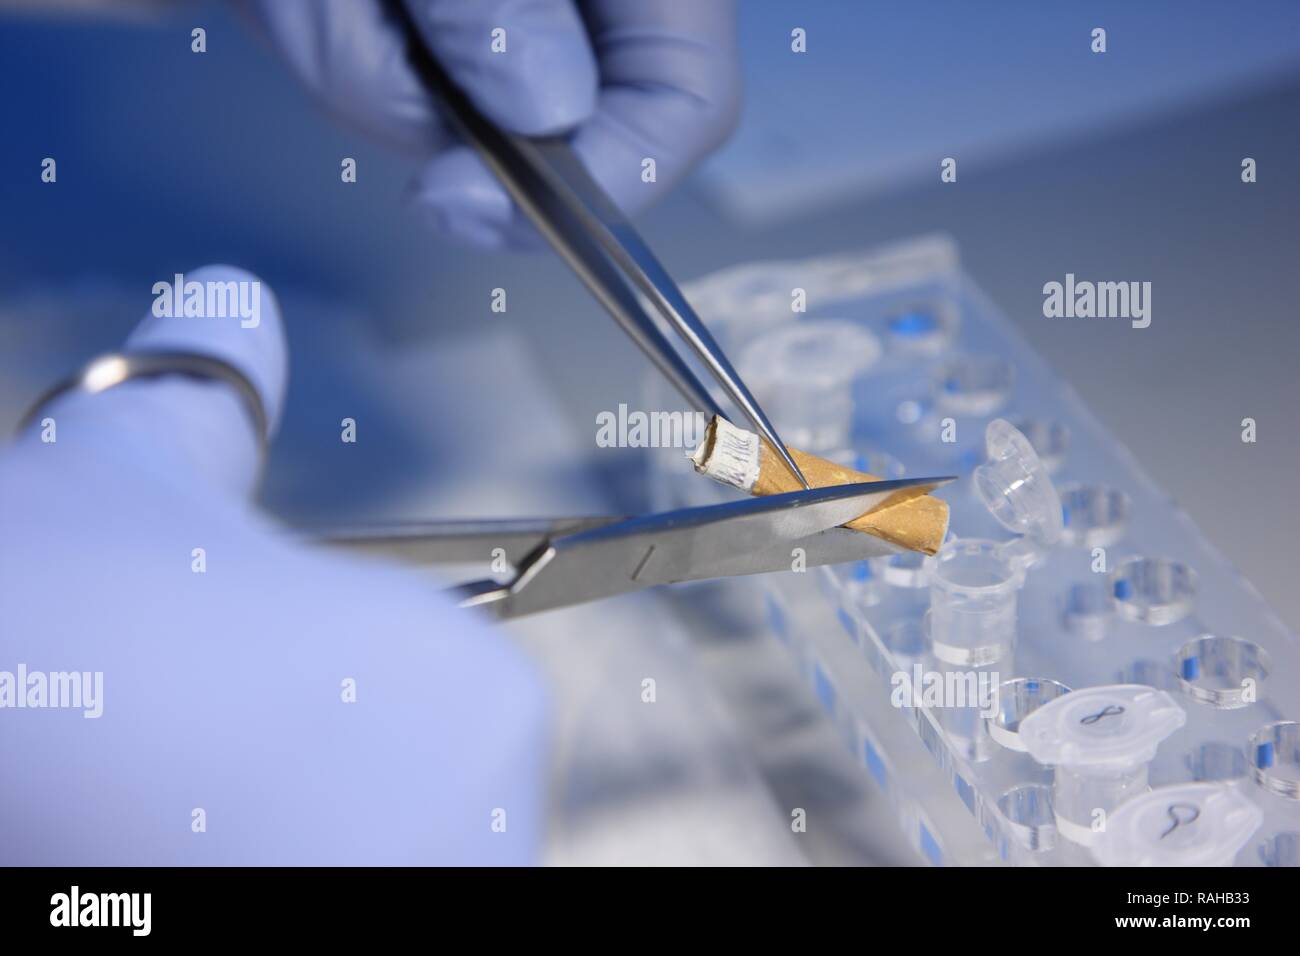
(557, 563)
(550, 184)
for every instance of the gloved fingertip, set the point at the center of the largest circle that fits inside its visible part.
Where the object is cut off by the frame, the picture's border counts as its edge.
(529, 66)
(536, 99)
(462, 226)
(456, 196)
(239, 323)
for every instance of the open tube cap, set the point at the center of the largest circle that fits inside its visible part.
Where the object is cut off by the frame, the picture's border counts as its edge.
(1015, 487)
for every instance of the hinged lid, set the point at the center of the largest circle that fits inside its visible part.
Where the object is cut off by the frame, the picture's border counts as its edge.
(1114, 725)
(1190, 824)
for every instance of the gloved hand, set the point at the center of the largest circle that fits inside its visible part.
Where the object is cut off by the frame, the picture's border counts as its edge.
(224, 690)
(632, 79)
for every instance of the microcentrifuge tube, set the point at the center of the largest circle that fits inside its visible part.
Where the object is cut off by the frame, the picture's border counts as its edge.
(1101, 741)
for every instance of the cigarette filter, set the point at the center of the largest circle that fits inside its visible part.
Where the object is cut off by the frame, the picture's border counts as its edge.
(740, 458)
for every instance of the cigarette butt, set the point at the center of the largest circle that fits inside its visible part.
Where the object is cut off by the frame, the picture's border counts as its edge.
(743, 460)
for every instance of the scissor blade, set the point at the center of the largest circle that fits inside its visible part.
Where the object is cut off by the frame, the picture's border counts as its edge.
(832, 546)
(692, 543)
(456, 541)
(767, 526)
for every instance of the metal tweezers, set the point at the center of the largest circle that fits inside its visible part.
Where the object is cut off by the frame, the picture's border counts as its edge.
(550, 184)
(557, 563)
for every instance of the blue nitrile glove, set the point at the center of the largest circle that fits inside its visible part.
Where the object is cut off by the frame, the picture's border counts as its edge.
(224, 693)
(632, 80)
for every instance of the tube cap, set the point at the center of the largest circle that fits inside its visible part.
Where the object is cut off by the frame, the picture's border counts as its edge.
(1118, 725)
(1190, 824)
(1015, 487)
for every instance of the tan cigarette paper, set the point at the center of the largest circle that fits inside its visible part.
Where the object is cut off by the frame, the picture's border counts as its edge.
(737, 457)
